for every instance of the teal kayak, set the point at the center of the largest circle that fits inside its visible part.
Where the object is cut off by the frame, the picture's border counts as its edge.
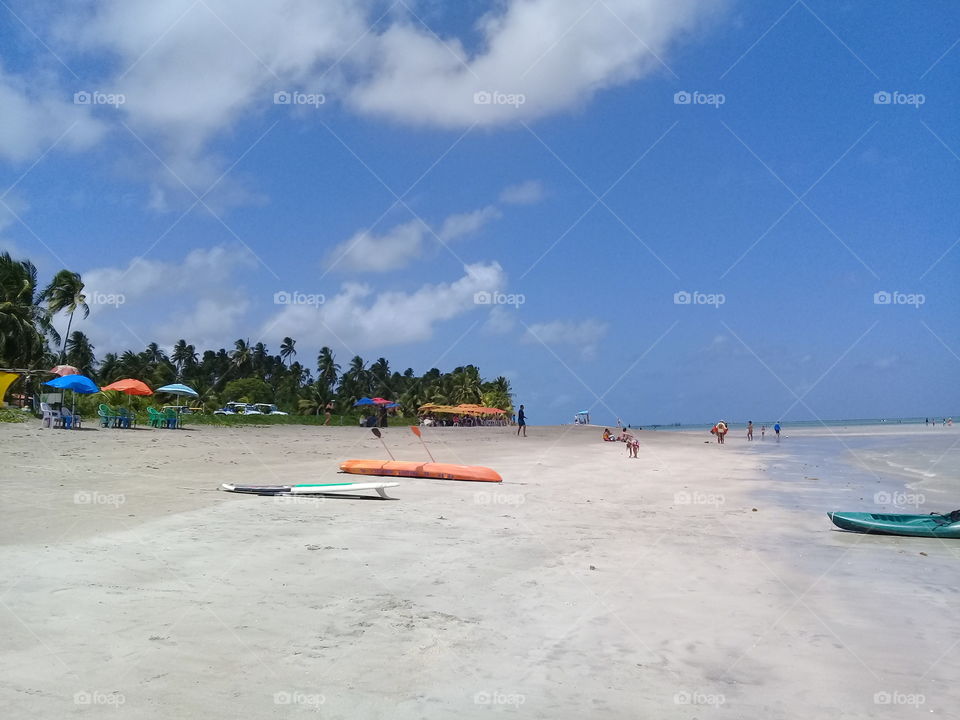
(935, 526)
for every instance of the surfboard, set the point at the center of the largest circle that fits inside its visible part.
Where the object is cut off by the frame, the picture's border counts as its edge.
(309, 488)
(436, 471)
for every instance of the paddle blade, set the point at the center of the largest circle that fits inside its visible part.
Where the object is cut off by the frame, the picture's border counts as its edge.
(416, 431)
(375, 431)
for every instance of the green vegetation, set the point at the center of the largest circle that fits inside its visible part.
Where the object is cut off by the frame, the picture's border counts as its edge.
(246, 373)
(9, 415)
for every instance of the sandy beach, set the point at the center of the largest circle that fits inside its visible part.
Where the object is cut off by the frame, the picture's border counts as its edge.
(696, 580)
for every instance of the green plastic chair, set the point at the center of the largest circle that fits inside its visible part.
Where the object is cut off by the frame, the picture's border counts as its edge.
(155, 418)
(108, 418)
(172, 418)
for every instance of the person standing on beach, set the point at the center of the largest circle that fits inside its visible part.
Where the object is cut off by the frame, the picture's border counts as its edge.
(521, 422)
(327, 413)
(721, 431)
(776, 429)
(749, 429)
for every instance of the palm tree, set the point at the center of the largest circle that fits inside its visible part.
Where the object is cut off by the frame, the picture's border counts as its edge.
(288, 348)
(258, 358)
(179, 355)
(108, 370)
(327, 368)
(80, 352)
(240, 357)
(25, 324)
(379, 375)
(154, 354)
(65, 293)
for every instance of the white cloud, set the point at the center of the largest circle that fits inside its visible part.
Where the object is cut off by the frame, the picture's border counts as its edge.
(403, 243)
(585, 334)
(36, 114)
(463, 224)
(358, 318)
(553, 54)
(525, 193)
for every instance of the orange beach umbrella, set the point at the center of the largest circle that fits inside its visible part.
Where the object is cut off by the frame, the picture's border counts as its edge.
(129, 386)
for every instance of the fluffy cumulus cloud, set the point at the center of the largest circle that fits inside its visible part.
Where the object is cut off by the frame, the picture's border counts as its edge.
(402, 244)
(538, 57)
(189, 71)
(359, 318)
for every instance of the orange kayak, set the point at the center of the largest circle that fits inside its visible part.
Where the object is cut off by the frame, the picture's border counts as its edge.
(438, 471)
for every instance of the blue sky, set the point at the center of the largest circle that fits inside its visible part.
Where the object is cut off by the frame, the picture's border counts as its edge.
(793, 198)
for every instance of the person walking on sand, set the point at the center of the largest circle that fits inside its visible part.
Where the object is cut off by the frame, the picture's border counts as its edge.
(721, 431)
(749, 429)
(776, 429)
(521, 422)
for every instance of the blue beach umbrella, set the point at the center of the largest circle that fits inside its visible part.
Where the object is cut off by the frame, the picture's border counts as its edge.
(178, 390)
(364, 401)
(76, 383)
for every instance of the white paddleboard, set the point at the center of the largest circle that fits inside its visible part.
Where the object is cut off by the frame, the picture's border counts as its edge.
(308, 488)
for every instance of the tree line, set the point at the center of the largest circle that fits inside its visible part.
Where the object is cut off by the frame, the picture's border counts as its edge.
(248, 372)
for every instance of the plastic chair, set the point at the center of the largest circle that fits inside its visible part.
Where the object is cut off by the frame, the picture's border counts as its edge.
(173, 420)
(71, 420)
(51, 418)
(155, 418)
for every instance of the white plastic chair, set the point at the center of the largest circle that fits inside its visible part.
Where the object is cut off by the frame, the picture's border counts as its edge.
(51, 418)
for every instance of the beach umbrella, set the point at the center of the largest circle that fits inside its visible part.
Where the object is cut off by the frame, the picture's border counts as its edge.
(178, 390)
(62, 370)
(380, 401)
(76, 384)
(364, 401)
(129, 386)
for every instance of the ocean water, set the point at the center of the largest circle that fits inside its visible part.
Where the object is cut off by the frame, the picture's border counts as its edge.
(804, 424)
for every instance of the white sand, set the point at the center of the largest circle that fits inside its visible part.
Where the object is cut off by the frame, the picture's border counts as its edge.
(581, 587)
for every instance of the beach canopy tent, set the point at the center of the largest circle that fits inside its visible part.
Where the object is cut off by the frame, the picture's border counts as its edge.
(583, 417)
(464, 409)
(129, 386)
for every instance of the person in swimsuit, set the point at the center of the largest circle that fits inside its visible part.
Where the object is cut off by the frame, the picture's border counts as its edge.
(750, 430)
(522, 422)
